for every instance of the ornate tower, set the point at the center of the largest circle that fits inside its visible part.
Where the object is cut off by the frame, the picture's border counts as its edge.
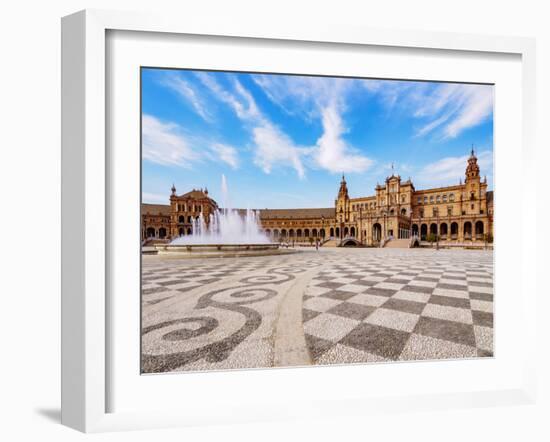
(173, 212)
(472, 194)
(393, 190)
(472, 170)
(342, 202)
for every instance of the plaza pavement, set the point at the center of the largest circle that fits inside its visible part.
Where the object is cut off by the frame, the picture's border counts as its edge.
(331, 306)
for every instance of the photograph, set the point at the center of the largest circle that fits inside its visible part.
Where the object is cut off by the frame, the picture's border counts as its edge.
(293, 220)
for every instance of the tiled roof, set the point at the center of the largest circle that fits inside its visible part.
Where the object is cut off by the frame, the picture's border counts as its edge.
(155, 209)
(328, 212)
(195, 194)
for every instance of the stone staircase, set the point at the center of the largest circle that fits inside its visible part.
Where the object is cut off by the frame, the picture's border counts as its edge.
(331, 243)
(398, 244)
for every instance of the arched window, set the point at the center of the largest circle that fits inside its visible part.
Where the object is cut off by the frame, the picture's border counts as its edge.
(468, 229)
(181, 219)
(162, 233)
(150, 232)
(404, 212)
(454, 230)
(377, 232)
(479, 229)
(423, 231)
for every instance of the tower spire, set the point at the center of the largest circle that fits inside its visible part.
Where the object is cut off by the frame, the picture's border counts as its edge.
(343, 191)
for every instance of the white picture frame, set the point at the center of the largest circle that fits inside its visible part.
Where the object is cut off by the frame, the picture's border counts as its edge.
(86, 201)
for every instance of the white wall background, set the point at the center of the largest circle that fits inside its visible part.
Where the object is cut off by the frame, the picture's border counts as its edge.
(30, 213)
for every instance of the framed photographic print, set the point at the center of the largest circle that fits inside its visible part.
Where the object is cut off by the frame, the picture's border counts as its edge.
(250, 213)
(402, 273)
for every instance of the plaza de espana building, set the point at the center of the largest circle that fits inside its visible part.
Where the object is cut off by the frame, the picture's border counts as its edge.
(459, 214)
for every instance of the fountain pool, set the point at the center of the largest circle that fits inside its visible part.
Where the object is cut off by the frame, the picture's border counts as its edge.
(228, 232)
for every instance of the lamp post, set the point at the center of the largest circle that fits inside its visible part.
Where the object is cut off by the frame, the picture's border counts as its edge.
(360, 224)
(437, 230)
(385, 229)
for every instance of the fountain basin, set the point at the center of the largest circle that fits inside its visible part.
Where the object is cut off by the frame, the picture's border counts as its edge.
(220, 250)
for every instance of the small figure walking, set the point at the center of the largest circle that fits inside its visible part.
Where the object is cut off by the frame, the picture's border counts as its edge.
(317, 244)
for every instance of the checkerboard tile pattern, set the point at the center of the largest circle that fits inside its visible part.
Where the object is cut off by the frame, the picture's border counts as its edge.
(393, 309)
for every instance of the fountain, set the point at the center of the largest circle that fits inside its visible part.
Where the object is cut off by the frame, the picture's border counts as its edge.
(228, 232)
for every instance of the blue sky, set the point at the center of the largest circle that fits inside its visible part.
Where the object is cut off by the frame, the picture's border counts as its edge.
(283, 141)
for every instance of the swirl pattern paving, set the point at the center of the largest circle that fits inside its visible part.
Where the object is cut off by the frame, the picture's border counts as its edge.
(315, 307)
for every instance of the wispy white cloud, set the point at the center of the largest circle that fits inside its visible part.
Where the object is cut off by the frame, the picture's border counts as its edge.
(227, 154)
(275, 148)
(451, 170)
(446, 109)
(323, 98)
(455, 107)
(301, 95)
(272, 147)
(166, 143)
(241, 102)
(184, 90)
(333, 153)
